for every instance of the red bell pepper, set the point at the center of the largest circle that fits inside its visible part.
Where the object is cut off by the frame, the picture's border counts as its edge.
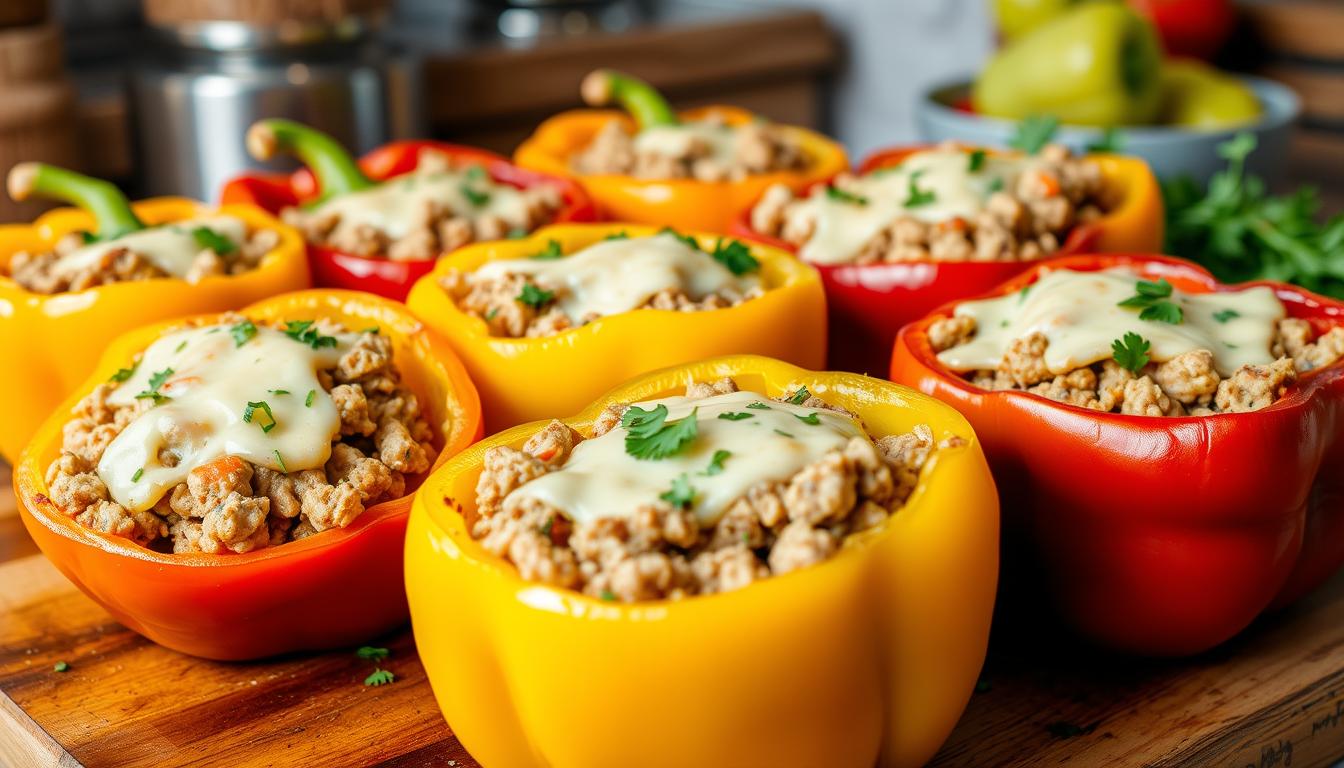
(1160, 535)
(333, 268)
(868, 303)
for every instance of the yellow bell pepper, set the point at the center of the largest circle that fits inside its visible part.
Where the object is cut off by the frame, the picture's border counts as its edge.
(526, 379)
(55, 340)
(867, 658)
(681, 203)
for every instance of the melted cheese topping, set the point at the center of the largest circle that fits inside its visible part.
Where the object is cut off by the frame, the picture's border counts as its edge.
(601, 480)
(844, 228)
(170, 247)
(686, 139)
(616, 276)
(1079, 314)
(213, 380)
(397, 206)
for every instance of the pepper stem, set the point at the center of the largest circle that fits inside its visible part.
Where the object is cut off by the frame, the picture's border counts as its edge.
(336, 171)
(111, 210)
(644, 103)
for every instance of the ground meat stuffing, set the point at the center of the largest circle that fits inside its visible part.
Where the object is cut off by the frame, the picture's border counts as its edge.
(1186, 385)
(437, 229)
(757, 147)
(1031, 220)
(230, 505)
(659, 551)
(38, 272)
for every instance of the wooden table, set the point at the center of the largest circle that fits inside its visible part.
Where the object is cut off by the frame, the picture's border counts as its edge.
(1271, 699)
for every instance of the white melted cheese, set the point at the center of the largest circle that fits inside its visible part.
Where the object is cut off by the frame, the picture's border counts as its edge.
(170, 247)
(685, 139)
(843, 228)
(615, 276)
(1080, 316)
(211, 383)
(397, 206)
(601, 480)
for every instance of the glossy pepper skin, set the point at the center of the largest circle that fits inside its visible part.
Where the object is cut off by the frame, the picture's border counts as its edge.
(532, 378)
(867, 658)
(682, 203)
(334, 268)
(1155, 535)
(868, 303)
(1196, 95)
(59, 337)
(335, 588)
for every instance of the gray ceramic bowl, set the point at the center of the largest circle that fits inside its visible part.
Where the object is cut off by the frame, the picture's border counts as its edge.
(1170, 151)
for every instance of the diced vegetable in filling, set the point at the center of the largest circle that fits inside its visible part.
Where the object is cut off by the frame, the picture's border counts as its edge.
(705, 150)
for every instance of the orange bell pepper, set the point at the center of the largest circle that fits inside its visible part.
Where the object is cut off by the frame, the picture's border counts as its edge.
(57, 338)
(531, 378)
(867, 658)
(335, 588)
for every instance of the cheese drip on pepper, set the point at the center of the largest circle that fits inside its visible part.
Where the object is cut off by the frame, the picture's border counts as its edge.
(773, 443)
(1080, 315)
(170, 247)
(203, 404)
(616, 276)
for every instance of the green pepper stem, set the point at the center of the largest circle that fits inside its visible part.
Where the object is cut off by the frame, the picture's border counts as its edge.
(336, 171)
(644, 103)
(111, 210)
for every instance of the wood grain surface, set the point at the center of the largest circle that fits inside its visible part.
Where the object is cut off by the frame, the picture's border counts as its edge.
(1271, 699)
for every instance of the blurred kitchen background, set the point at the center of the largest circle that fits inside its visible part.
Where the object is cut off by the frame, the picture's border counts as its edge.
(156, 94)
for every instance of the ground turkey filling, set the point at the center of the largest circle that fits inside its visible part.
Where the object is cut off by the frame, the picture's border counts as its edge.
(660, 550)
(1030, 218)
(39, 272)
(1186, 385)
(705, 150)
(436, 225)
(232, 505)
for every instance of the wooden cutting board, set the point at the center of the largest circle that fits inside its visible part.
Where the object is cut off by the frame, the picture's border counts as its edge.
(1271, 699)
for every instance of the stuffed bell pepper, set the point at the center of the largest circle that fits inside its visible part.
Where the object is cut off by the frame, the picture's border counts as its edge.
(547, 323)
(77, 277)
(652, 165)
(915, 228)
(1168, 448)
(237, 486)
(379, 224)
(826, 542)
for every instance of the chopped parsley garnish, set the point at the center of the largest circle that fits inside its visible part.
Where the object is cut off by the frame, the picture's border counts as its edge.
(798, 397)
(139, 473)
(370, 653)
(280, 461)
(156, 381)
(917, 197)
(1111, 141)
(88, 237)
(841, 196)
(380, 677)
(995, 185)
(251, 410)
(608, 595)
(650, 436)
(372, 329)
(690, 242)
(622, 235)
(242, 332)
(735, 256)
(491, 314)
(976, 160)
(546, 527)
(123, 374)
(758, 406)
(1131, 352)
(734, 415)
(308, 401)
(278, 391)
(180, 347)
(61, 666)
(1223, 315)
(209, 238)
(1022, 294)
(811, 418)
(550, 252)
(533, 296)
(682, 494)
(782, 432)
(303, 332)
(1152, 299)
(716, 462)
(1034, 133)
(476, 197)
(475, 173)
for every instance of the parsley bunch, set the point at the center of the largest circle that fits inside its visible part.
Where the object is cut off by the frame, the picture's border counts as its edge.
(1240, 232)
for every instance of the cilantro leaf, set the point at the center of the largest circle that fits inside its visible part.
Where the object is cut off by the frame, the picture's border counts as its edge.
(841, 196)
(1151, 298)
(608, 596)
(209, 238)
(380, 677)
(242, 332)
(304, 332)
(735, 256)
(550, 252)
(123, 374)
(716, 462)
(1034, 133)
(682, 495)
(475, 197)
(759, 406)
(811, 418)
(370, 653)
(650, 436)
(734, 415)
(1163, 312)
(139, 473)
(155, 382)
(533, 296)
(782, 432)
(251, 410)
(916, 197)
(1131, 352)
(622, 235)
(799, 396)
(689, 241)
(976, 160)
(308, 401)
(1224, 315)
